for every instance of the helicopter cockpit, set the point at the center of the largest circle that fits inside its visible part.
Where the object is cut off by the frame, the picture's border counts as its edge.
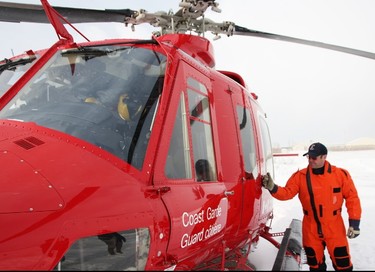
(106, 95)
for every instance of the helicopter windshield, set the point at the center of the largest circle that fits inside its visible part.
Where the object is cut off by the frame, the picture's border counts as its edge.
(106, 95)
(12, 69)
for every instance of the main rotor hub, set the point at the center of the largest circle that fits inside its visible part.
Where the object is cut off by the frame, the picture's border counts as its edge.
(189, 18)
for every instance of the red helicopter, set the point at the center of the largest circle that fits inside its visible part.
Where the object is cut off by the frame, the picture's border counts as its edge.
(130, 154)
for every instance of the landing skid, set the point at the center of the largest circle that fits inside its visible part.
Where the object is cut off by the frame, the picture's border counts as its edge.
(289, 256)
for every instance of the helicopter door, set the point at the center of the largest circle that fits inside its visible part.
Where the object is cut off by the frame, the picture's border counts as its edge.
(257, 160)
(195, 202)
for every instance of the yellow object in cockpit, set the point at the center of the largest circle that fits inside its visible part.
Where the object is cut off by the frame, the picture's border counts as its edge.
(91, 100)
(122, 108)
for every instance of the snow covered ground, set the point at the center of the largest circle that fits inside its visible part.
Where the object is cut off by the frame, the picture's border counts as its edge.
(361, 165)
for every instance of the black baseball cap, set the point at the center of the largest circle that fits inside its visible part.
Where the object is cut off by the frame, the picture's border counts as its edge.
(316, 149)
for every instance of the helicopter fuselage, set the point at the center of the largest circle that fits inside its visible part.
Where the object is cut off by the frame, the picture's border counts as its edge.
(130, 154)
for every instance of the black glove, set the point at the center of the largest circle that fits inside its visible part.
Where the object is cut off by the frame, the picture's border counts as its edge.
(268, 182)
(353, 230)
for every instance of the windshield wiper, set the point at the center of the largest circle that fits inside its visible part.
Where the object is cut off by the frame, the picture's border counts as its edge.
(12, 64)
(90, 53)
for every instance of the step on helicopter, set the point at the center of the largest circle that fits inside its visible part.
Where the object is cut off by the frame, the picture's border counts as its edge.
(128, 154)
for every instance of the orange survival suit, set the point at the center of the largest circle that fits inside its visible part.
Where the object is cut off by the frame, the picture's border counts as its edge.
(322, 225)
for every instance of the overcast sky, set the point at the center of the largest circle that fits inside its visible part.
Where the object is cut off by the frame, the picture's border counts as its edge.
(309, 94)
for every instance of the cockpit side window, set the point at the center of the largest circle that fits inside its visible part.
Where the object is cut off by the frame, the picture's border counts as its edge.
(179, 160)
(267, 146)
(247, 140)
(201, 130)
(178, 164)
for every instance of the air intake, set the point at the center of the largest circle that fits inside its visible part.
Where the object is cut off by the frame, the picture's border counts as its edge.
(29, 142)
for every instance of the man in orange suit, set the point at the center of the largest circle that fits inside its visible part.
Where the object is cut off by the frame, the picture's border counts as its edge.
(322, 189)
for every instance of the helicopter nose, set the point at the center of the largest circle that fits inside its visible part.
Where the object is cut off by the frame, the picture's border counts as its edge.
(21, 187)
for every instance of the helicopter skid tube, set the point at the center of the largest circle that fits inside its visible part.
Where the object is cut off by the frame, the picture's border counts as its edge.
(289, 256)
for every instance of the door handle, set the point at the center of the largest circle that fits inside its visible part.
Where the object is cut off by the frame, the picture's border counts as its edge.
(228, 193)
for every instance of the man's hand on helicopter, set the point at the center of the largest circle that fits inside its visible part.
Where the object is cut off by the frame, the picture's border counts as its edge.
(268, 182)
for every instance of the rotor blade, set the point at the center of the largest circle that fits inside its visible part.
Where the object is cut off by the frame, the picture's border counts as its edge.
(16, 13)
(248, 32)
